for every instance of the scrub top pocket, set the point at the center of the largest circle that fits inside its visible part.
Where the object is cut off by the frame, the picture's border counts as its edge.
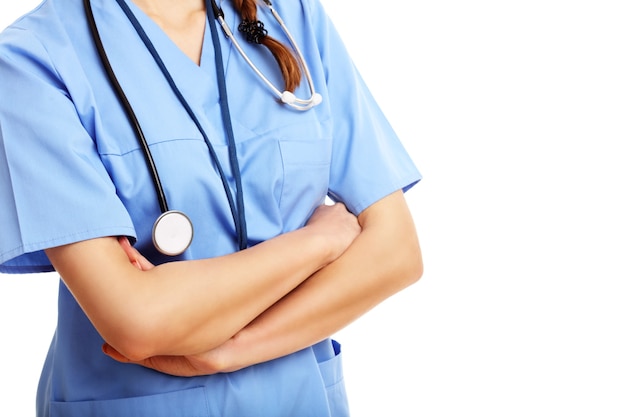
(332, 374)
(185, 403)
(306, 170)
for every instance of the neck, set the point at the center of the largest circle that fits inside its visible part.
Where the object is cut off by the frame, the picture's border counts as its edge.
(182, 20)
(169, 7)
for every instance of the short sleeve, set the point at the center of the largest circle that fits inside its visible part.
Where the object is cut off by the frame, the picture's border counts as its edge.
(369, 161)
(54, 189)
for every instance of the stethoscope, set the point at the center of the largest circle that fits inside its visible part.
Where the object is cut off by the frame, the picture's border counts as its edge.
(172, 232)
(286, 97)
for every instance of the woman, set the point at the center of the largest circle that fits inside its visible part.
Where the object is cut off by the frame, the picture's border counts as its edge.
(238, 324)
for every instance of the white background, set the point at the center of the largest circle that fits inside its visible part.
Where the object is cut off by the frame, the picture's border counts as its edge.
(515, 113)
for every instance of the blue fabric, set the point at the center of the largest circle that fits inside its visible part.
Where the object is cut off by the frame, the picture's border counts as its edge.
(71, 169)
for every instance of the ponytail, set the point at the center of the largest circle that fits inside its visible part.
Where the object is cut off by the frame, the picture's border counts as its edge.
(287, 62)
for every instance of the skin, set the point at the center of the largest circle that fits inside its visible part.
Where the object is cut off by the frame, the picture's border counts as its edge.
(181, 308)
(222, 314)
(323, 304)
(184, 21)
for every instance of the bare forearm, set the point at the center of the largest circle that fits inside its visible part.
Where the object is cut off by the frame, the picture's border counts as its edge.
(185, 307)
(222, 295)
(384, 259)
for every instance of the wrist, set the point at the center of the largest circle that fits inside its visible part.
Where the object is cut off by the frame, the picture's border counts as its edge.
(323, 244)
(230, 357)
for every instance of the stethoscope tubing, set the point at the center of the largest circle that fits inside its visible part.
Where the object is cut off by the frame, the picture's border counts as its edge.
(294, 44)
(286, 97)
(215, 13)
(240, 222)
(128, 108)
(237, 208)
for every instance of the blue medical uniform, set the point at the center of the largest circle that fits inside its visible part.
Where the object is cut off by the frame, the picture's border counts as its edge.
(71, 169)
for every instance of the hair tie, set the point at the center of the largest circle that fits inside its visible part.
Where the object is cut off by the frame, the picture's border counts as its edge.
(255, 31)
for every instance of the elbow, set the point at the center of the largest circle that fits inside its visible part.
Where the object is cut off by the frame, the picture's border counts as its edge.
(415, 268)
(135, 334)
(133, 348)
(156, 333)
(133, 342)
(412, 264)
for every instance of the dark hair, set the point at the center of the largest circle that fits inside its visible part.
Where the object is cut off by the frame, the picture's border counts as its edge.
(287, 62)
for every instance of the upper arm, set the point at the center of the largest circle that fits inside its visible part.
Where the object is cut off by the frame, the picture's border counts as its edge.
(390, 223)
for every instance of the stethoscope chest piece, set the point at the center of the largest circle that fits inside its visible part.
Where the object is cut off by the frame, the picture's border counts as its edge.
(172, 233)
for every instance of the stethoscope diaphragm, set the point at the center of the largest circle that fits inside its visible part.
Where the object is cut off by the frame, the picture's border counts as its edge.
(172, 233)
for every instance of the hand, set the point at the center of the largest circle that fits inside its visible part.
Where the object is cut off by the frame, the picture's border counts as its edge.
(134, 256)
(337, 225)
(185, 366)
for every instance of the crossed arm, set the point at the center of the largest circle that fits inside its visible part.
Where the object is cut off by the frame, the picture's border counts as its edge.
(223, 314)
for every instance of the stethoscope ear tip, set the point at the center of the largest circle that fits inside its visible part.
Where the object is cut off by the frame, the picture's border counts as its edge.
(288, 97)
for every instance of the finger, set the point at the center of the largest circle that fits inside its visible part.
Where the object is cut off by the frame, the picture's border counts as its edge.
(124, 243)
(129, 250)
(134, 256)
(142, 262)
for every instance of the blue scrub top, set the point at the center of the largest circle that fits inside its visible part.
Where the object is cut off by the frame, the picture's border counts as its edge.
(71, 169)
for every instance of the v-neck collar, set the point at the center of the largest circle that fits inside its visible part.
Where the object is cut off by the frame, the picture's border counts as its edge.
(207, 54)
